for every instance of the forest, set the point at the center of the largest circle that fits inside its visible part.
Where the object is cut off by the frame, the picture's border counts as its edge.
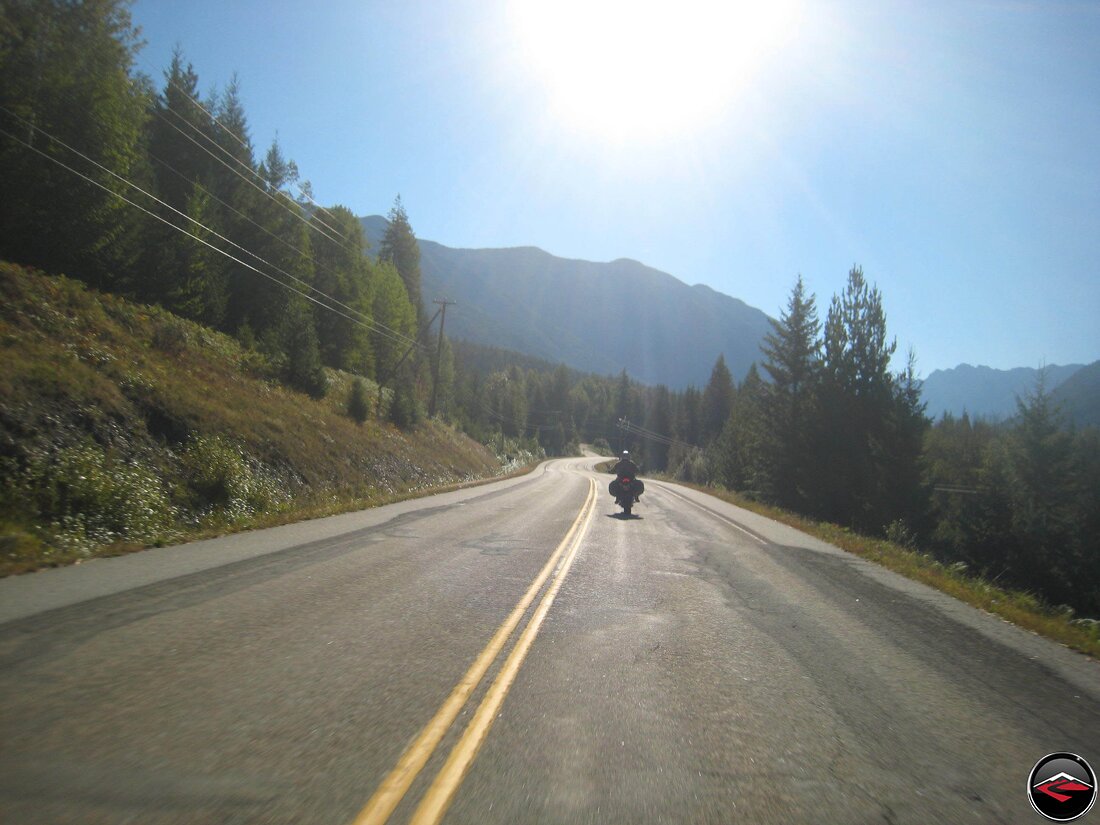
(146, 189)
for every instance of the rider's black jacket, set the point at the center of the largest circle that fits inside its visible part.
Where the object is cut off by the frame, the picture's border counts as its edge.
(625, 467)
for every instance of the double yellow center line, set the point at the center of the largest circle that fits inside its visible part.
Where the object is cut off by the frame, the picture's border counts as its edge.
(438, 797)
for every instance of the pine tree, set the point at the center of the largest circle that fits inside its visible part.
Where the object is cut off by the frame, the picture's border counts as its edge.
(299, 340)
(792, 359)
(65, 70)
(399, 246)
(391, 309)
(736, 458)
(658, 419)
(276, 170)
(358, 405)
(342, 272)
(180, 135)
(717, 400)
(871, 422)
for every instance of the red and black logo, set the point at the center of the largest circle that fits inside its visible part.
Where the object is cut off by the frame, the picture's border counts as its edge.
(1062, 787)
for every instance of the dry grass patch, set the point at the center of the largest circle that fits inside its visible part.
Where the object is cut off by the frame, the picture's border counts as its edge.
(123, 426)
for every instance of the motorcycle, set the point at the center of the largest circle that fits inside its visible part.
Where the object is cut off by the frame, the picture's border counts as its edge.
(626, 490)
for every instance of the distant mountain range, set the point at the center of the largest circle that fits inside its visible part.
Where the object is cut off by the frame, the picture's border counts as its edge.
(983, 392)
(1079, 396)
(595, 317)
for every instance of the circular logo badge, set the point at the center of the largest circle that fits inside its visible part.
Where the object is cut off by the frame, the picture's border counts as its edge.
(1062, 787)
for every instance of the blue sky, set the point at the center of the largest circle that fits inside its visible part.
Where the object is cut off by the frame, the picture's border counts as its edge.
(951, 149)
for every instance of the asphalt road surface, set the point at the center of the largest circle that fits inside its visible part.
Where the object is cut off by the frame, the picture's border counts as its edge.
(518, 653)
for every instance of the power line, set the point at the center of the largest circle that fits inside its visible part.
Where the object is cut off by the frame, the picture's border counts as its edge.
(629, 427)
(380, 327)
(214, 118)
(173, 225)
(261, 189)
(365, 320)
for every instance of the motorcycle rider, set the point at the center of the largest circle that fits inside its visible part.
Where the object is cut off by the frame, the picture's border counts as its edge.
(626, 467)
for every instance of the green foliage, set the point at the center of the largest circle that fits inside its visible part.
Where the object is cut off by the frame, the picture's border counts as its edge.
(343, 273)
(717, 400)
(392, 310)
(85, 497)
(792, 360)
(220, 481)
(737, 459)
(303, 367)
(66, 73)
(358, 404)
(400, 248)
(405, 412)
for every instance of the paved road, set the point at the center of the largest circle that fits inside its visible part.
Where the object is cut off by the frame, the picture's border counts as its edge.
(517, 653)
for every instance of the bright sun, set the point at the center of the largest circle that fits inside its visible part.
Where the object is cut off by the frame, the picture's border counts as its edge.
(646, 70)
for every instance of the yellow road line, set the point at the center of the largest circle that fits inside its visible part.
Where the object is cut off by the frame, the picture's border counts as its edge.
(438, 797)
(412, 761)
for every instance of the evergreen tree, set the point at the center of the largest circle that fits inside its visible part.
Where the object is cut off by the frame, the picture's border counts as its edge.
(736, 459)
(869, 421)
(341, 271)
(658, 420)
(791, 351)
(66, 73)
(399, 247)
(192, 279)
(276, 170)
(232, 135)
(180, 136)
(717, 400)
(393, 312)
(358, 404)
(303, 355)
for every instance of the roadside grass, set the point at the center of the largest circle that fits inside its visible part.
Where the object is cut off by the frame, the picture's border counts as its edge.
(124, 426)
(1020, 608)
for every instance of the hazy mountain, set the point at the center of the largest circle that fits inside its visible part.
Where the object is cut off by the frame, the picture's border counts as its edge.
(596, 317)
(984, 392)
(1079, 396)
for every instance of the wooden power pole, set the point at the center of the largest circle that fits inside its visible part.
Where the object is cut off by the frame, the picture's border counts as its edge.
(439, 353)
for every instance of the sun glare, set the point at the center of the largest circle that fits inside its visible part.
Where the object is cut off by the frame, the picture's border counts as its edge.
(638, 69)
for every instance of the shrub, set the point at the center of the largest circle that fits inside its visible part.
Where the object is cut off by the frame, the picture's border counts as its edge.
(170, 334)
(405, 413)
(358, 405)
(92, 499)
(221, 481)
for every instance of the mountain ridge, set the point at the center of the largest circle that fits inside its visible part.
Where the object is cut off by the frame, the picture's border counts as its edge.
(986, 392)
(599, 317)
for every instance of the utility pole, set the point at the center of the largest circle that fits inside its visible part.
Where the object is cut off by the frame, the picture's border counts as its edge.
(439, 352)
(393, 371)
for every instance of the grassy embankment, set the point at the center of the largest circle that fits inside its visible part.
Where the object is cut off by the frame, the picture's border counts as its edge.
(124, 426)
(1022, 609)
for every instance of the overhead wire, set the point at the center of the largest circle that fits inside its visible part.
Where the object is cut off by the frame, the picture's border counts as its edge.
(305, 255)
(628, 426)
(384, 331)
(261, 189)
(365, 320)
(210, 115)
(206, 112)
